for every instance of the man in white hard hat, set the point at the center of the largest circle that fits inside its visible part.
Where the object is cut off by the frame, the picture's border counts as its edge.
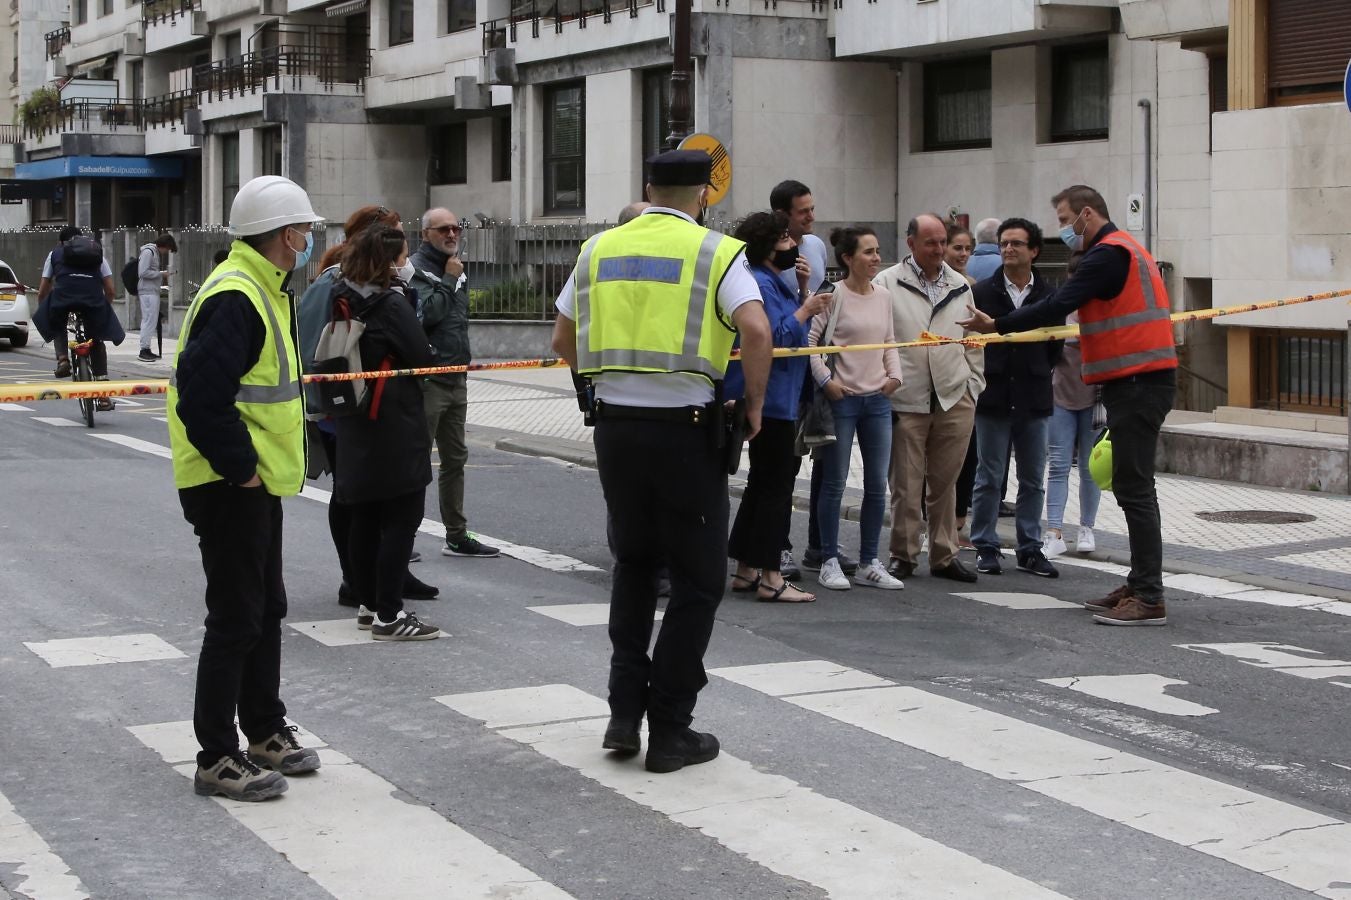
(236, 426)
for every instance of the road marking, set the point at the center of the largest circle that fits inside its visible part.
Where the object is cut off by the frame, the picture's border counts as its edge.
(1204, 585)
(40, 873)
(581, 614)
(807, 677)
(123, 401)
(335, 632)
(324, 827)
(1018, 600)
(1280, 840)
(771, 820)
(1271, 655)
(15, 407)
(1143, 691)
(60, 423)
(514, 707)
(132, 443)
(97, 651)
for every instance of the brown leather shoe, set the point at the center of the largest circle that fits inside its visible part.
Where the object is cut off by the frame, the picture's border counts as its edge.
(1110, 601)
(1133, 611)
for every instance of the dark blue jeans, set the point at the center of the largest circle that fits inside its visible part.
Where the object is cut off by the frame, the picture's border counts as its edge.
(868, 415)
(1136, 408)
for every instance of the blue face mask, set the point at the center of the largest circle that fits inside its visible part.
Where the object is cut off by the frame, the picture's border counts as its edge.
(303, 256)
(1073, 239)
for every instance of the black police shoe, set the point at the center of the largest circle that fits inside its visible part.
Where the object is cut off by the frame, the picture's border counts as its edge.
(670, 751)
(346, 597)
(621, 735)
(955, 571)
(415, 588)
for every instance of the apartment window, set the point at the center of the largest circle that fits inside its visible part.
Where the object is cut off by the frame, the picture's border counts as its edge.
(229, 171)
(450, 154)
(269, 151)
(106, 7)
(1079, 95)
(459, 15)
(502, 148)
(1302, 371)
(79, 10)
(957, 104)
(400, 22)
(1309, 42)
(565, 148)
(233, 47)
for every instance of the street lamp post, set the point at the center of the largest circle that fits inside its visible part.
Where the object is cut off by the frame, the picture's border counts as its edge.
(680, 75)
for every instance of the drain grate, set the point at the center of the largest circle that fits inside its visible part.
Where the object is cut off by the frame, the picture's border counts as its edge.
(1254, 517)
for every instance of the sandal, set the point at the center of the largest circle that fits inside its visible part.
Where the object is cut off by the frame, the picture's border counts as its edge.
(751, 584)
(777, 595)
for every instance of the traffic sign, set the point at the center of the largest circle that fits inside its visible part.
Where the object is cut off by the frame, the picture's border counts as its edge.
(1346, 86)
(721, 179)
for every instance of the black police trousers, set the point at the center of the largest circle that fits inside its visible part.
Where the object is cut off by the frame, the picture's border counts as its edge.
(666, 490)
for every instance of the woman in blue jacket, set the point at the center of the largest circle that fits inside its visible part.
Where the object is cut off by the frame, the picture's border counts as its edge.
(760, 531)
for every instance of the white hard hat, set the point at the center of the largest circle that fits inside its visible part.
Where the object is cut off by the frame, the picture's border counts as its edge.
(269, 202)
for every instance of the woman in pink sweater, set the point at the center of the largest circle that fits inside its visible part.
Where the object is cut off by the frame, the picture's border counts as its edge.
(858, 385)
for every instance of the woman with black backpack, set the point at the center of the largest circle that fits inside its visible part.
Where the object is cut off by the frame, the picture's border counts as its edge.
(384, 453)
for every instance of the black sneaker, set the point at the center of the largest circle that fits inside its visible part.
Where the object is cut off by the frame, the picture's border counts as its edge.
(787, 568)
(63, 367)
(674, 750)
(365, 618)
(415, 588)
(404, 628)
(811, 561)
(346, 596)
(621, 736)
(987, 562)
(1037, 563)
(468, 546)
(147, 356)
(283, 753)
(235, 776)
(415, 557)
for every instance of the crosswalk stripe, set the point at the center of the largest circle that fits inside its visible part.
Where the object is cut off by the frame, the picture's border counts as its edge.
(132, 443)
(59, 423)
(15, 407)
(323, 827)
(334, 632)
(1018, 600)
(581, 614)
(95, 651)
(1280, 840)
(772, 820)
(39, 874)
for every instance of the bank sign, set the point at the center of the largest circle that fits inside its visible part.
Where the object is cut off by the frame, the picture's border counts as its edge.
(100, 167)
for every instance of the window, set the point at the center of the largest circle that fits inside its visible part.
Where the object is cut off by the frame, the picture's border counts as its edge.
(400, 22)
(450, 154)
(1079, 105)
(1303, 371)
(657, 110)
(106, 7)
(269, 151)
(565, 148)
(459, 15)
(229, 172)
(502, 148)
(233, 47)
(1309, 42)
(79, 10)
(957, 104)
(1219, 91)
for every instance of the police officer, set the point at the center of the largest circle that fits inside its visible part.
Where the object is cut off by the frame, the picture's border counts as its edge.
(650, 314)
(1126, 340)
(236, 429)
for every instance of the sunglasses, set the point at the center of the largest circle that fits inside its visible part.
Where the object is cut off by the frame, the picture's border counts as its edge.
(447, 229)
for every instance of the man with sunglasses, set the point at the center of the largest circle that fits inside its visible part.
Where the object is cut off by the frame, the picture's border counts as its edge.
(443, 307)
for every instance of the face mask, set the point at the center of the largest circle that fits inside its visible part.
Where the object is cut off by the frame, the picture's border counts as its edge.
(703, 213)
(785, 259)
(303, 256)
(1073, 239)
(404, 272)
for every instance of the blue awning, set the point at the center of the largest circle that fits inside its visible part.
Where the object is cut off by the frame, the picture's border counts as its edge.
(100, 167)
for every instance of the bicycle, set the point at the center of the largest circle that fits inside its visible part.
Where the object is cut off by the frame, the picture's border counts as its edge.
(81, 366)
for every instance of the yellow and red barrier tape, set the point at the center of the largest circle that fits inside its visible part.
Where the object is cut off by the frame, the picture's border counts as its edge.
(67, 390)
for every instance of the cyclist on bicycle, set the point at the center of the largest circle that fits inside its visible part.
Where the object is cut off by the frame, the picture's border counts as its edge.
(73, 281)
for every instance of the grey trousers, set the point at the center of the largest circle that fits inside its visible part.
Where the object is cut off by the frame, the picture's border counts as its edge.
(149, 316)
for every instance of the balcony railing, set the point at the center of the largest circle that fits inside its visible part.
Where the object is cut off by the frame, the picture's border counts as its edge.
(254, 71)
(166, 109)
(497, 32)
(85, 115)
(57, 40)
(154, 12)
(10, 134)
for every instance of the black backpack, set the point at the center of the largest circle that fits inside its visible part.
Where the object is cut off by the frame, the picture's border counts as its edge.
(131, 274)
(82, 252)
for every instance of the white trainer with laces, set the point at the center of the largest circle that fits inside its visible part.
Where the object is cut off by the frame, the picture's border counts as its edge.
(1053, 545)
(1087, 543)
(874, 575)
(832, 576)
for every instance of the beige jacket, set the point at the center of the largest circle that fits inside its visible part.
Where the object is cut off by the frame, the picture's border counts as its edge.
(950, 370)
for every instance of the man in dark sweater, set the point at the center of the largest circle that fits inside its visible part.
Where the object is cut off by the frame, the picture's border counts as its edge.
(1014, 408)
(443, 307)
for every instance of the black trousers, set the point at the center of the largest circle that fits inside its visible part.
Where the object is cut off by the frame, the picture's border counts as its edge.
(98, 353)
(339, 514)
(380, 540)
(1136, 408)
(966, 479)
(239, 532)
(666, 491)
(760, 530)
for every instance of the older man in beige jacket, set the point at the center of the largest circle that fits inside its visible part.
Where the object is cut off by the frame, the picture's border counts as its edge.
(935, 405)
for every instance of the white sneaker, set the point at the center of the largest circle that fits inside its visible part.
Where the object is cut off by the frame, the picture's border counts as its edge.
(874, 575)
(1053, 545)
(833, 577)
(1087, 544)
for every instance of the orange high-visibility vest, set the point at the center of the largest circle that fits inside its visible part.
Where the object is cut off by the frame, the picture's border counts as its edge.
(1131, 332)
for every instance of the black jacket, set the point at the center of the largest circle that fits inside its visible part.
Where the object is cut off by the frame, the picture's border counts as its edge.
(389, 456)
(442, 307)
(1017, 376)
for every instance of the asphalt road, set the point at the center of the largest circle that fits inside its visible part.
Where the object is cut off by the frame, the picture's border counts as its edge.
(876, 744)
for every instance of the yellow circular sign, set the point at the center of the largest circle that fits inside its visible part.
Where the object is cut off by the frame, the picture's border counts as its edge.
(721, 179)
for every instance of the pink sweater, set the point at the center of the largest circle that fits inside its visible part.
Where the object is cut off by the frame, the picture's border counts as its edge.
(864, 319)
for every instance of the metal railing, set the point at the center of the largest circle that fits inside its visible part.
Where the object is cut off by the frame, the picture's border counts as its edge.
(1198, 393)
(166, 109)
(496, 32)
(253, 71)
(84, 115)
(154, 12)
(57, 40)
(772, 5)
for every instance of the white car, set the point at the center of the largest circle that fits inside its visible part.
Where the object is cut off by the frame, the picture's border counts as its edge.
(14, 309)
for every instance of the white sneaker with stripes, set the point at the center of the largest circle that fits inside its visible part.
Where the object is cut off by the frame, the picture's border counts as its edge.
(875, 575)
(404, 628)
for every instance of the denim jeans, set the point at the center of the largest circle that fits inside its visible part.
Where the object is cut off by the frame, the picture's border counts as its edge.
(993, 434)
(1136, 408)
(870, 416)
(1068, 427)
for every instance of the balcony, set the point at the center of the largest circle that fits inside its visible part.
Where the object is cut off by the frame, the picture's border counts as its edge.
(172, 123)
(89, 127)
(57, 41)
(910, 30)
(170, 24)
(308, 61)
(157, 12)
(1171, 19)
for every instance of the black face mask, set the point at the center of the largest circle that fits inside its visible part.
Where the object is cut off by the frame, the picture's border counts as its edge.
(785, 259)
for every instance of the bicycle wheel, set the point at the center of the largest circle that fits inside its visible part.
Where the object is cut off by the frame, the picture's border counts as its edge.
(83, 371)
